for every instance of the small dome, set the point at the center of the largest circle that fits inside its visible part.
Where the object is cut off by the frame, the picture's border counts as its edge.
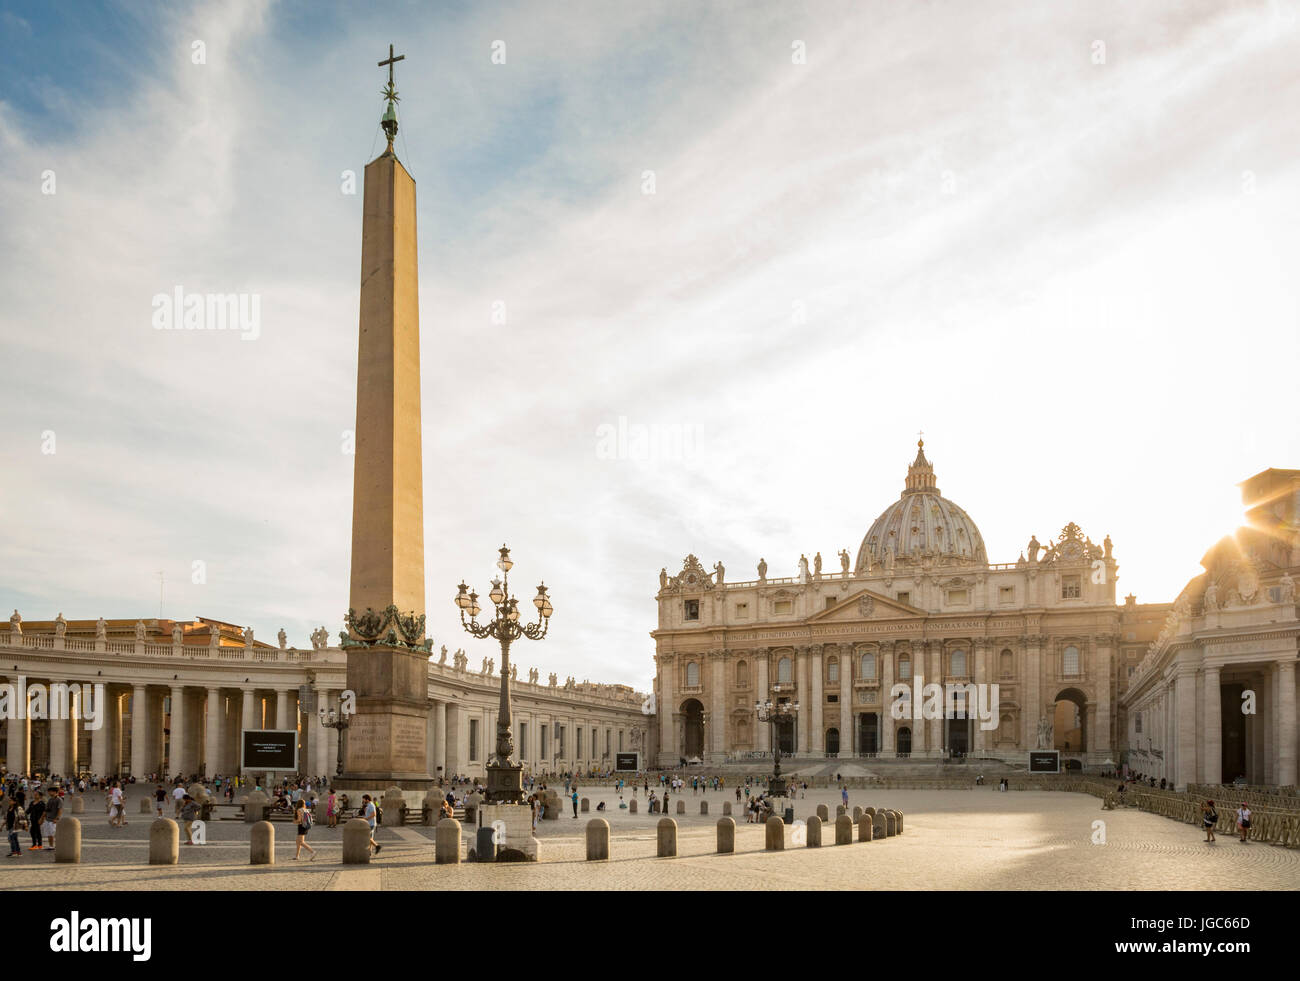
(921, 523)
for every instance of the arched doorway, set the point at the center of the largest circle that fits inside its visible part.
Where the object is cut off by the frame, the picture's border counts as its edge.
(905, 740)
(693, 728)
(1070, 721)
(868, 732)
(832, 740)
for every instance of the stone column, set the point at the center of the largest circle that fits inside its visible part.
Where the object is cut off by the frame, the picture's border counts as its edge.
(817, 746)
(763, 730)
(321, 764)
(230, 732)
(247, 720)
(668, 745)
(1104, 666)
(801, 741)
(282, 709)
(1266, 707)
(1286, 723)
(440, 729)
(1212, 726)
(212, 732)
(101, 742)
(981, 678)
(888, 724)
(1033, 709)
(717, 706)
(937, 736)
(18, 742)
(846, 699)
(58, 728)
(139, 732)
(1185, 693)
(453, 755)
(193, 731)
(176, 729)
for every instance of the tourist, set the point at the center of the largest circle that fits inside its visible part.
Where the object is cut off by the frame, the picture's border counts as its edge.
(1243, 821)
(13, 824)
(575, 803)
(53, 811)
(116, 807)
(178, 795)
(302, 818)
(1209, 817)
(36, 814)
(189, 813)
(368, 812)
(160, 800)
(331, 811)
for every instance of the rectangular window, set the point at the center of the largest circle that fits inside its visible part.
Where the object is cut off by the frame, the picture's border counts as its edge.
(1006, 594)
(832, 698)
(1137, 723)
(692, 609)
(1070, 587)
(783, 606)
(742, 611)
(1131, 669)
(607, 737)
(473, 739)
(905, 598)
(620, 740)
(958, 597)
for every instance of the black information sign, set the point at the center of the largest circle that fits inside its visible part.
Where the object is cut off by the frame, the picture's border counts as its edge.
(626, 761)
(270, 749)
(1045, 761)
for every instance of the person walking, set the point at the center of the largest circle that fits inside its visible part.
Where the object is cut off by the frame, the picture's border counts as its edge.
(844, 797)
(13, 824)
(53, 811)
(302, 818)
(575, 802)
(1243, 821)
(189, 812)
(36, 814)
(1209, 817)
(331, 811)
(368, 812)
(159, 800)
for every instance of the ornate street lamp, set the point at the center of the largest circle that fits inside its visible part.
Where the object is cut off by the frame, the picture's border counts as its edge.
(505, 779)
(773, 713)
(332, 719)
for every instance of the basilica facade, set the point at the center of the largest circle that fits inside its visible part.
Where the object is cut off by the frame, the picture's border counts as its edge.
(1028, 654)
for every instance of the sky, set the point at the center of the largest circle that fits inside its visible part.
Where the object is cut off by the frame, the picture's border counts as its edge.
(770, 242)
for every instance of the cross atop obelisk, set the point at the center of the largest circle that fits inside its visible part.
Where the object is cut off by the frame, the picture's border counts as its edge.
(389, 121)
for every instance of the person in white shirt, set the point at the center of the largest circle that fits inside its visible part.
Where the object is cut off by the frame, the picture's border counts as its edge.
(368, 812)
(1243, 821)
(116, 809)
(178, 795)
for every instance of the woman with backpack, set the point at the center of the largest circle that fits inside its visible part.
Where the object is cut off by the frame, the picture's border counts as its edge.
(302, 818)
(1209, 818)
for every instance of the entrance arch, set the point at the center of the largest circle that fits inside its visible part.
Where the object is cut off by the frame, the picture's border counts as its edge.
(905, 740)
(832, 741)
(868, 732)
(785, 735)
(693, 728)
(1070, 721)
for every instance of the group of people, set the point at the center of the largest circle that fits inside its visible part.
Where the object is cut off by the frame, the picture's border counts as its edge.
(29, 807)
(1210, 817)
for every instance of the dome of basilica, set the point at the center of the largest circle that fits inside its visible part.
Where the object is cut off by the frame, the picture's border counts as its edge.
(921, 524)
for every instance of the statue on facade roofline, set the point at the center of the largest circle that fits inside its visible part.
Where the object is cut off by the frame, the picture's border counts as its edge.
(762, 569)
(60, 626)
(283, 638)
(101, 629)
(844, 561)
(443, 658)
(1106, 546)
(663, 578)
(721, 572)
(817, 564)
(1034, 547)
(1288, 588)
(803, 568)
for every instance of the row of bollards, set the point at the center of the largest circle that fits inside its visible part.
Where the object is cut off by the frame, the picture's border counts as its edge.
(872, 824)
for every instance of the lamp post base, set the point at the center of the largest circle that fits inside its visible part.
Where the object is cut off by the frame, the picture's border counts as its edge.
(776, 786)
(505, 784)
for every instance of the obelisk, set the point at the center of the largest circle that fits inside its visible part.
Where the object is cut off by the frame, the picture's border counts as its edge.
(387, 651)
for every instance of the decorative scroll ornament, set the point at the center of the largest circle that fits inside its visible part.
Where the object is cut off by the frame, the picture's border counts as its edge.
(388, 629)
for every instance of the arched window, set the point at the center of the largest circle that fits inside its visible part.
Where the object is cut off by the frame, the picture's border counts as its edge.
(957, 666)
(905, 668)
(783, 671)
(1006, 664)
(833, 670)
(692, 675)
(742, 674)
(1070, 661)
(869, 666)
(905, 739)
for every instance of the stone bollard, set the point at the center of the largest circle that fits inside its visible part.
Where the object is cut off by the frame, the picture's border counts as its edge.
(393, 807)
(891, 824)
(164, 842)
(485, 844)
(585, 805)
(78, 807)
(840, 809)
(255, 807)
(844, 830)
(681, 806)
(261, 844)
(446, 850)
(597, 840)
(667, 838)
(864, 828)
(726, 808)
(704, 808)
(823, 812)
(879, 826)
(356, 842)
(814, 831)
(726, 836)
(857, 814)
(631, 806)
(774, 834)
(869, 811)
(67, 844)
(898, 816)
(146, 806)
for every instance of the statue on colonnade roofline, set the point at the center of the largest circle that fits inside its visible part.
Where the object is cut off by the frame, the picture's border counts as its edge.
(721, 571)
(60, 626)
(178, 635)
(16, 623)
(803, 568)
(101, 629)
(443, 658)
(283, 638)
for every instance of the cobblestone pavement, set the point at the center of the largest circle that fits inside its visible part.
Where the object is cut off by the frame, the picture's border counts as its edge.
(978, 839)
